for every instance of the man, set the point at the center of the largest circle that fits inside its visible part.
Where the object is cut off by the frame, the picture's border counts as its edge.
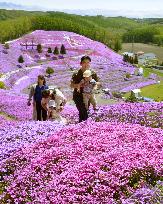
(78, 95)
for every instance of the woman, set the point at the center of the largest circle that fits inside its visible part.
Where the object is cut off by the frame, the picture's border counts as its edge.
(36, 94)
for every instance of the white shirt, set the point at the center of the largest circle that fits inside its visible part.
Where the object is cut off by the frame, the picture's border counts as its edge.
(52, 103)
(59, 98)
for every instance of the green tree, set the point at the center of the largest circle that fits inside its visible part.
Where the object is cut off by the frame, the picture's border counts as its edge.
(132, 98)
(6, 46)
(49, 71)
(125, 58)
(20, 59)
(136, 59)
(49, 50)
(39, 48)
(2, 85)
(117, 45)
(128, 75)
(63, 50)
(56, 51)
(131, 60)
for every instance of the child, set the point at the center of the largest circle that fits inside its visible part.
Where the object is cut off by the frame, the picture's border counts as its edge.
(88, 85)
(56, 104)
(44, 101)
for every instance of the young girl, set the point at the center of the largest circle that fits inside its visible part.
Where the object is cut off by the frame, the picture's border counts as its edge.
(44, 102)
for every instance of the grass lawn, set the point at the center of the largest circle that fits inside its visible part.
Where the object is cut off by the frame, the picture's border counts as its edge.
(147, 71)
(154, 91)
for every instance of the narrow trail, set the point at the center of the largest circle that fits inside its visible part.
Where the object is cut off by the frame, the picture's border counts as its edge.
(7, 116)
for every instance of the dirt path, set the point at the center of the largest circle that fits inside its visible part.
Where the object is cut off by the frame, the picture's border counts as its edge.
(7, 117)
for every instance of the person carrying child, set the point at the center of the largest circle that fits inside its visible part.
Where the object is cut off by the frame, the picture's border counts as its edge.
(74, 83)
(89, 85)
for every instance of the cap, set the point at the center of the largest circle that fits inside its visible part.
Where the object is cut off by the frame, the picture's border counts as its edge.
(87, 73)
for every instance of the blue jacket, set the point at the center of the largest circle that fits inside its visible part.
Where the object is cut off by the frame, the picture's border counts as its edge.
(38, 92)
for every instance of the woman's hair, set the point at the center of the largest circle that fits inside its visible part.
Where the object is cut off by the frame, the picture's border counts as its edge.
(45, 93)
(43, 78)
(85, 58)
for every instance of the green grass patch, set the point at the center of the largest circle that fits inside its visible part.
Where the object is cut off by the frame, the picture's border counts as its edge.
(7, 117)
(148, 71)
(154, 91)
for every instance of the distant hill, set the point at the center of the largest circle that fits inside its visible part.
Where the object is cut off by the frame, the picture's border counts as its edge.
(108, 30)
(146, 13)
(9, 5)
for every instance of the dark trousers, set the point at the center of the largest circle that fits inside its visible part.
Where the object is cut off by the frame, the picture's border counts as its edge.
(83, 114)
(41, 112)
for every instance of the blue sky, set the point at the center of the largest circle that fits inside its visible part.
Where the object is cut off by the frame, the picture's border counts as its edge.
(93, 4)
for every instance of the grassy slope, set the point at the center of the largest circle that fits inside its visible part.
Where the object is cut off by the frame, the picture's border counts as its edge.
(154, 91)
(12, 14)
(117, 25)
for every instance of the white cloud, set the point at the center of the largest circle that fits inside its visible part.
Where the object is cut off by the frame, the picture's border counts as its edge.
(130, 8)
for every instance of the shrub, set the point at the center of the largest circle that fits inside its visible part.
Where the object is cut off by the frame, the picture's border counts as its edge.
(49, 50)
(39, 48)
(20, 59)
(132, 98)
(49, 71)
(6, 45)
(56, 51)
(136, 59)
(125, 58)
(63, 50)
(128, 76)
(2, 85)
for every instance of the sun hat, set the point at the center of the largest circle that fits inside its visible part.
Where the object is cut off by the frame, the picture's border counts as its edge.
(87, 73)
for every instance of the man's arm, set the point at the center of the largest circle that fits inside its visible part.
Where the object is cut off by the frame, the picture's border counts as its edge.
(31, 93)
(97, 79)
(74, 81)
(73, 85)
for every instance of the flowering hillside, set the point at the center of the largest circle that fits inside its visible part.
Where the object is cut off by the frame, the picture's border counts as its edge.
(108, 64)
(86, 163)
(113, 157)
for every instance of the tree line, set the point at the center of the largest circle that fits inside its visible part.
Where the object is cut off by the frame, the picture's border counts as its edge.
(111, 31)
(15, 28)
